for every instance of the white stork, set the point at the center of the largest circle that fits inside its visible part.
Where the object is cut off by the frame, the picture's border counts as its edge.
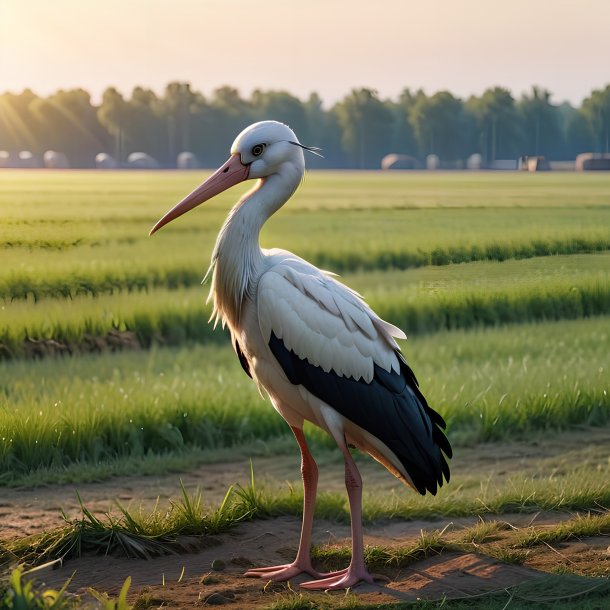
(315, 347)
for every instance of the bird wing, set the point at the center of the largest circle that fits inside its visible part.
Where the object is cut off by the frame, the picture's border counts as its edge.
(325, 338)
(324, 321)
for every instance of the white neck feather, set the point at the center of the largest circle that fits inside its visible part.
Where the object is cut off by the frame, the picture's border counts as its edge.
(237, 259)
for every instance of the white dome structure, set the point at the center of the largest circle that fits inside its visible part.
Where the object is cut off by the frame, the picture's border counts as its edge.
(475, 161)
(140, 160)
(187, 160)
(433, 162)
(55, 160)
(105, 161)
(27, 159)
(396, 161)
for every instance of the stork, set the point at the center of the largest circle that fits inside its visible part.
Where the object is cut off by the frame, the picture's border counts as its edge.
(314, 346)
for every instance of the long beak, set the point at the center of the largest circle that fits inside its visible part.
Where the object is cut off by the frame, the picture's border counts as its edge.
(231, 173)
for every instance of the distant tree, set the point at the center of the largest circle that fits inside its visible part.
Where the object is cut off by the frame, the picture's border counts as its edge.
(357, 132)
(177, 104)
(438, 122)
(366, 125)
(145, 127)
(578, 135)
(17, 127)
(113, 114)
(324, 132)
(403, 138)
(222, 118)
(280, 106)
(68, 123)
(497, 123)
(596, 109)
(542, 132)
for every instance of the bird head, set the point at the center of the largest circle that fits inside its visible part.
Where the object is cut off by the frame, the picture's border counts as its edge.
(259, 151)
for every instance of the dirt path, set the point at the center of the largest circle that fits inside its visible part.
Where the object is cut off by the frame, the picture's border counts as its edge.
(26, 511)
(186, 580)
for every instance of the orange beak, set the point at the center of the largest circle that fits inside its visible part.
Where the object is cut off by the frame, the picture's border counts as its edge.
(231, 173)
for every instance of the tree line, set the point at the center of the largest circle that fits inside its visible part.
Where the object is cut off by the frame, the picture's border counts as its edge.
(356, 132)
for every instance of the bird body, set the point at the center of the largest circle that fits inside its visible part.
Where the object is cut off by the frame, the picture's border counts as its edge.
(313, 345)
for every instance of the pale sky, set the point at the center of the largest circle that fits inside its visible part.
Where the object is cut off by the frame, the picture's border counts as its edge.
(328, 46)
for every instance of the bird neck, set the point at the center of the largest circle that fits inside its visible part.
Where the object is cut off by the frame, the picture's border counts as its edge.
(237, 259)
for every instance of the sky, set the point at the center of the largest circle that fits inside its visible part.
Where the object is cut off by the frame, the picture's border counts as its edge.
(327, 46)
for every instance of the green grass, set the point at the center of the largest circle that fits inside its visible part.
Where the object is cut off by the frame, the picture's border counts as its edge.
(54, 193)
(145, 534)
(84, 233)
(163, 317)
(552, 591)
(419, 300)
(176, 528)
(492, 384)
(179, 262)
(21, 593)
(428, 544)
(162, 530)
(579, 527)
(77, 264)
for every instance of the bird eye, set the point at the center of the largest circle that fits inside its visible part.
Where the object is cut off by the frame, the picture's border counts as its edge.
(257, 150)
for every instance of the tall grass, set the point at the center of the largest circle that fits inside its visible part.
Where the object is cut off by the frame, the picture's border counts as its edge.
(69, 274)
(87, 234)
(425, 300)
(490, 385)
(81, 238)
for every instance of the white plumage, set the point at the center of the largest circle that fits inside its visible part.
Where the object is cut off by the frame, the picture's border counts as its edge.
(313, 345)
(323, 321)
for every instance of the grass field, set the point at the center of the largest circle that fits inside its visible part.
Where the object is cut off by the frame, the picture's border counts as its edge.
(489, 385)
(501, 281)
(88, 233)
(79, 265)
(425, 299)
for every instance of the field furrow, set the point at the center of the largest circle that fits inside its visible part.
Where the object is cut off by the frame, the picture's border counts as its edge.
(512, 341)
(418, 300)
(489, 385)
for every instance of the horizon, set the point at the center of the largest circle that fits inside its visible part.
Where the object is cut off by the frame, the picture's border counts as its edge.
(463, 49)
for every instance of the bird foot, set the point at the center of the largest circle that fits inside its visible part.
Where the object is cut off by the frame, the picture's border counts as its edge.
(340, 580)
(283, 572)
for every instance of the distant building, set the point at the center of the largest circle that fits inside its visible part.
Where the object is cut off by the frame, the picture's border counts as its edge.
(534, 164)
(105, 161)
(140, 160)
(396, 161)
(593, 162)
(27, 159)
(503, 164)
(187, 160)
(475, 161)
(55, 160)
(433, 162)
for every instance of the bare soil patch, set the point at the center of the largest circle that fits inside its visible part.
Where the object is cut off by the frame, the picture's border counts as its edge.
(27, 511)
(180, 581)
(113, 341)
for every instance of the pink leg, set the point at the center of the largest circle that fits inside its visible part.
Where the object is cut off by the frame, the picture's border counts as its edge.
(356, 570)
(302, 563)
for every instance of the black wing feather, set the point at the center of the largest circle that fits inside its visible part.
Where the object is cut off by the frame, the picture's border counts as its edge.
(242, 359)
(391, 407)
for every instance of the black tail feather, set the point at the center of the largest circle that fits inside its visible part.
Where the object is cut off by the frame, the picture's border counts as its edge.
(391, 407)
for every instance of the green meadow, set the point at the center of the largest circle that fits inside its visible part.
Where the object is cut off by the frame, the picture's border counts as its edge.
(501, 281)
